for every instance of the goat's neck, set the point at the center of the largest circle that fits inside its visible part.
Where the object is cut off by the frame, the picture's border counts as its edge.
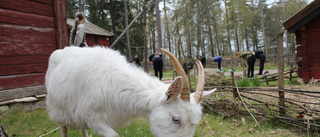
(144, 99)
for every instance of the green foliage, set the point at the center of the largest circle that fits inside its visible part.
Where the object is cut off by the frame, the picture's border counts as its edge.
(244, 83)
(249, 82)
(255, 82)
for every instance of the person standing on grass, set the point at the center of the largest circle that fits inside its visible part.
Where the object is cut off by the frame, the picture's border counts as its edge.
(136, 60)
(77, 33)
(259, 54)
(157, 62)
(203, 61)
(251, 59)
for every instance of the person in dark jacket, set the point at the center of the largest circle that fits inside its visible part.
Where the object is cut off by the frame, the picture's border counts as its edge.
(251, 60)
(136, 60)
(259, 54)
(203, 61)
(157, 62)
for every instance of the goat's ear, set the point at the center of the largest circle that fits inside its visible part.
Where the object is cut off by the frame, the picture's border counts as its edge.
(206, 94)
(174, 89)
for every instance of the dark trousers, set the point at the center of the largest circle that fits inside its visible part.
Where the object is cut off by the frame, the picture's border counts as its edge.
(262, 60)
(251, 61)
(157, 66)
(219, 64)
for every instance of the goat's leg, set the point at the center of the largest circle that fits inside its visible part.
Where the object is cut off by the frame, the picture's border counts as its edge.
(64, 130)
(103, 130)
(84, 133)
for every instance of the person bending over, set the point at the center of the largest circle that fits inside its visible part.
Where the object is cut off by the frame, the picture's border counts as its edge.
(260, 55)
(157, 62)
(219, 60)
(251, 59)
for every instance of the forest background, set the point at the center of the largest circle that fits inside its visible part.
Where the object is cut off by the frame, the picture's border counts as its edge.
(205, 27)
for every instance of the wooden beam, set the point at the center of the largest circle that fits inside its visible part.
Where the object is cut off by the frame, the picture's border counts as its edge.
(27, 6)
(21, 92)
(14, 81)
(61, 23)
(28, 19)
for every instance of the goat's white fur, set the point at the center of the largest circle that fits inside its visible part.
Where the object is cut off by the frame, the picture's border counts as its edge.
(97, 88)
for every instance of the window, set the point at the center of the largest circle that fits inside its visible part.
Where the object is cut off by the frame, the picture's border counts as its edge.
(96, 39)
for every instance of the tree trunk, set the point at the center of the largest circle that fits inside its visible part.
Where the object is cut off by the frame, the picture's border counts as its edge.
(112, 16)
(158, 25)
(263, 29)
(153, 38)
(210, 37)
(198, 29)
(127, 34)
(247, 39)
(81, 6)
(236, 39)
(187, 32)
(228, 30)
(145, 40)
(167, 26)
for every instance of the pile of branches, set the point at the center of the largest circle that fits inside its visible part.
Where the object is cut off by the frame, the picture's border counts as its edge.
(265, 102)
(288, 74)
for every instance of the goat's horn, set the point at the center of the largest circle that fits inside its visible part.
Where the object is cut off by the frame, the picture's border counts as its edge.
(201, 82)
(185, 93)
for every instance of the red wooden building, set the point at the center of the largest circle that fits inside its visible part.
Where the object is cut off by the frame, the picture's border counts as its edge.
(30, 30)
(94, 34)
(306, 26)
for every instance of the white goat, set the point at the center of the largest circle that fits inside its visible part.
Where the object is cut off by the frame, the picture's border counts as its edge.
(96, 88)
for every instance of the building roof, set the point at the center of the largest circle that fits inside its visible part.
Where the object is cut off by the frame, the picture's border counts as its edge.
(91, 28)
(303, 17)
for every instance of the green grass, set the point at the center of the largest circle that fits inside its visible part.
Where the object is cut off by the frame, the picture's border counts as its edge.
(33, 123)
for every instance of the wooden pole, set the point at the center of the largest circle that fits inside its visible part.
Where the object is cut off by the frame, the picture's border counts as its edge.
(280, 73)
(235, 95)
(129, 26)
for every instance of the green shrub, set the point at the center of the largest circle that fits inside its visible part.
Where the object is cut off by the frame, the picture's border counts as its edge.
(244, 83)
(255, 82)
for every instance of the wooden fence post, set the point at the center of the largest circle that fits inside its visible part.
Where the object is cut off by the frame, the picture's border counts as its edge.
(280, 73)
(235, 95)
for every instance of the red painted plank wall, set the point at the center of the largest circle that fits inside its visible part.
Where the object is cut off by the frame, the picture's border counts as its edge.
(101, 40)
(27, 39)
(309, 51)
(90, 39)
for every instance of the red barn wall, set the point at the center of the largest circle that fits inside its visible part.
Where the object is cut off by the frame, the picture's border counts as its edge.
(90, 39)
(101, 40)
(29, 34)
(309, 50)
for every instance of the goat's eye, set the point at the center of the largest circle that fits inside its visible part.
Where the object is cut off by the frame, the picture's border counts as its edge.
(175, 120)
